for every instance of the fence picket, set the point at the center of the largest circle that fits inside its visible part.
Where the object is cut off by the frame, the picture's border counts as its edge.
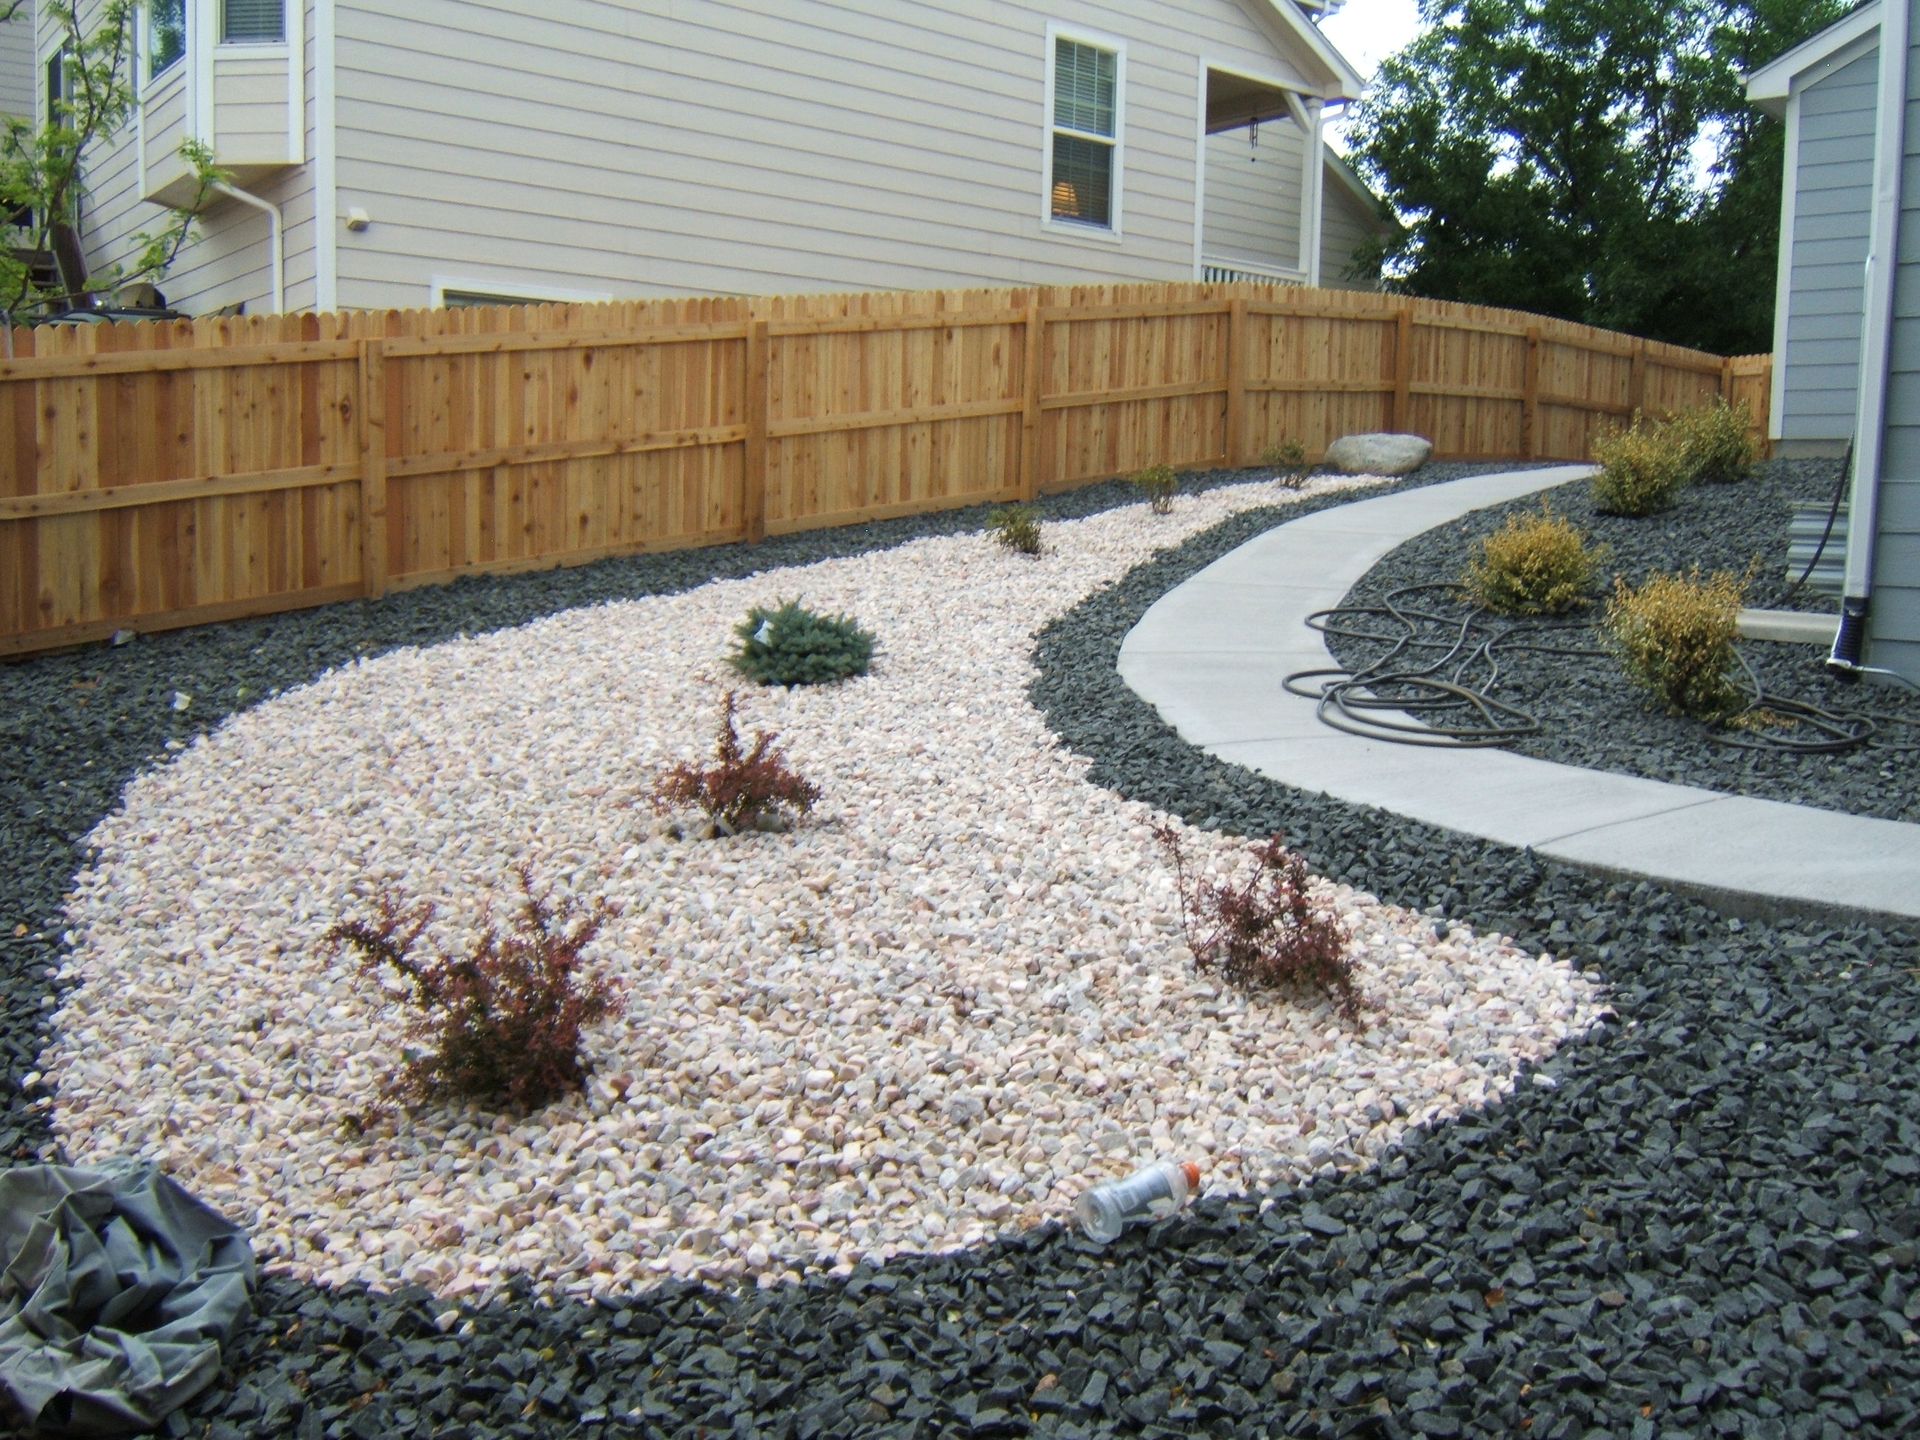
(169, 474)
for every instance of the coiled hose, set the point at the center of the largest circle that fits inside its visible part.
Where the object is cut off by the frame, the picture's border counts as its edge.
(1442, 665)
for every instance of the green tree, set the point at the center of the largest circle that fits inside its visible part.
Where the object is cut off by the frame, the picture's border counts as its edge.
(42, 169)
(1546, 155)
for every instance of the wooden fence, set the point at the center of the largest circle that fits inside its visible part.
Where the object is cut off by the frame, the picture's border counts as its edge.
(164, 475)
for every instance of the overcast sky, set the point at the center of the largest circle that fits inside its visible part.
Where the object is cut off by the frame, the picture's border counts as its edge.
(1366, 32)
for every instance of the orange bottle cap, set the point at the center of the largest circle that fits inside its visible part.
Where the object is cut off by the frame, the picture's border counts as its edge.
(1193, 1175)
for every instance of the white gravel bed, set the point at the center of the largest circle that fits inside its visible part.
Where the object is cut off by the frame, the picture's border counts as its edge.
(937, 1010)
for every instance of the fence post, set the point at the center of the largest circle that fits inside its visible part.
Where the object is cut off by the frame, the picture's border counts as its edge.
(1234, 440)
(754, 463)
(1530, 398)
(1637, 378)
(1029, 476)
(1402, 369)
(373, 467)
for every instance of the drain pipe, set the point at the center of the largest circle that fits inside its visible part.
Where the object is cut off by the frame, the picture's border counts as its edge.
(277, 227)
(1876, 339)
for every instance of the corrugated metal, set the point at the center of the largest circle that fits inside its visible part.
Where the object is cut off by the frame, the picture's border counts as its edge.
(1804, 533)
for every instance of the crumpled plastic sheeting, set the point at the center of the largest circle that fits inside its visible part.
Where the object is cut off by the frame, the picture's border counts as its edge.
(118, 1290)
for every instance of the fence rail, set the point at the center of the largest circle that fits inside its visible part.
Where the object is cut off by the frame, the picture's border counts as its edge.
(164, 475)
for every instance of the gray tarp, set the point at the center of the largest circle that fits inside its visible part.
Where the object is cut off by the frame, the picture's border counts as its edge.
(118, 1289)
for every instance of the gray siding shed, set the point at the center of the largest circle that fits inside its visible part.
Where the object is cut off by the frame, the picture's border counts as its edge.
(1831, 170)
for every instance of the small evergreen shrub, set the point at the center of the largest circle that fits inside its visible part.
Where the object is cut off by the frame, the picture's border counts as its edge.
(1016, 528)
(1264, 933)
(746, 790)
(1716, 441)
(1675, 636)
(790, 645)
(1289, 458)
(1536, 564)
(1642, 470)
(1159, 484)
(501, 1024)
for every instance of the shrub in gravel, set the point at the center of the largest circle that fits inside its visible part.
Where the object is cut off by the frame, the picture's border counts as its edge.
(1537, 564)
(1159, 484)
(1715, 440)
(1675, 635)
(791, 645)
(1016, 528)
(1642, 469)
(1289, 458)
(1264, 933)
(745, 790)
(501, 1024)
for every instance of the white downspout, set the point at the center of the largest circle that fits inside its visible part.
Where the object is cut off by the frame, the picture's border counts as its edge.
(1316, 186)
(277, 231)
(1876, 335)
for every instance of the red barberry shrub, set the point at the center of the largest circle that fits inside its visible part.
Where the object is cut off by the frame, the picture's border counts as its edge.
(747, 790)
(501, 1024)
(1263, 933)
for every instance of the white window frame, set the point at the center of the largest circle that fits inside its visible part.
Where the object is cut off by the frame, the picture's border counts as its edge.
(512, 292)
(1111, 232)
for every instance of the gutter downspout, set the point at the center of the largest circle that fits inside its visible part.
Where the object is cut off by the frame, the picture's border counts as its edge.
(1876, 329)
(1316, 187)
(277, 227)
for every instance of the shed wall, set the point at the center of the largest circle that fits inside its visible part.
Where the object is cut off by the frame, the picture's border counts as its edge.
(1833, 170)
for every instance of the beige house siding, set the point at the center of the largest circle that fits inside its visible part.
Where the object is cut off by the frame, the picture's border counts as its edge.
(655, 147)
(17, 64)
(1347, 221)
(1253, 206)
(228, 261)
(1253, 196)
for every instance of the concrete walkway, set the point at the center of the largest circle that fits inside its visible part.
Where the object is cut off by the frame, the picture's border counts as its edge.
(1211, 653)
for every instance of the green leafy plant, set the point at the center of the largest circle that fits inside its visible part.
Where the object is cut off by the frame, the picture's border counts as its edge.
(1537, 564)
(747, 789)
(1159, 484)
(43, 168)
(790, 645)
(1643, 469)
(1675, 636)
(1289, 458)
(499, 1025)
(1016, 528)
(1716, 441)
(1264, 932)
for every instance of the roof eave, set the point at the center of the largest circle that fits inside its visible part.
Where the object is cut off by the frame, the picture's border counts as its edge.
(1347, 83)
(1770, 86)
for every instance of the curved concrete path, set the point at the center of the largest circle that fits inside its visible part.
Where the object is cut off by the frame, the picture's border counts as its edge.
(1211, 653)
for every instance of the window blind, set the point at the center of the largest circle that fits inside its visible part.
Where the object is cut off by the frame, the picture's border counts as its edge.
(254, 21)
(1083, 86)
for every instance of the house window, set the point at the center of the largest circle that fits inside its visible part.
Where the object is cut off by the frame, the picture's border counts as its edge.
(1083, 161)
(166, 34)
(253, 22)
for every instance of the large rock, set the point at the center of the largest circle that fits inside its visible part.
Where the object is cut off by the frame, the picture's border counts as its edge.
(1378, 454)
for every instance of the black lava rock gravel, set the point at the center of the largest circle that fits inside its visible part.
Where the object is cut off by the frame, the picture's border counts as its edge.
(1704, 1221)
(1595, 717)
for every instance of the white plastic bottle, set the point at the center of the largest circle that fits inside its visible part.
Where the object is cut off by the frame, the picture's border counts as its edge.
(1158, 1189)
